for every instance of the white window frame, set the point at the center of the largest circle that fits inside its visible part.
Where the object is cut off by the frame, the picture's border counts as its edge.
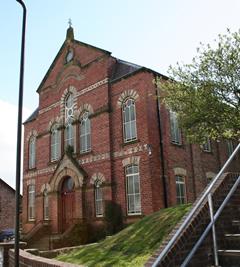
(129, 124)
(207, 145)
(55, 143)
(176, 135)
(32, 152)
(31, 202)
(230, 147)
(98, 199)
(180, 184)
(134, 196)
(85, 133)
(45, 205)
(69, 117)
(69, 135)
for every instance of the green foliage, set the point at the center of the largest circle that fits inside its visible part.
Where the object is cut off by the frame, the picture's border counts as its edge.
(206, 93)
(113, 217)
(69, 150)
(133, 245)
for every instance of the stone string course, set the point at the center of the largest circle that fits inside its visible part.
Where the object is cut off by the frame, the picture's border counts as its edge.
(103, 156)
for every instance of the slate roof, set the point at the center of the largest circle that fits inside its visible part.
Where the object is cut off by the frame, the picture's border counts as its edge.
(123, 68)
(33, 116)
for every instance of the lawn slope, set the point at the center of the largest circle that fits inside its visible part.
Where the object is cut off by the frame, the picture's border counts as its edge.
(133, 245)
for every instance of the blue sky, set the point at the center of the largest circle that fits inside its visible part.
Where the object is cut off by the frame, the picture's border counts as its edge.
(153, 33)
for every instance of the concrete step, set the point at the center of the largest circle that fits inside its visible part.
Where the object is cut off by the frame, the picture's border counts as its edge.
(229, 258)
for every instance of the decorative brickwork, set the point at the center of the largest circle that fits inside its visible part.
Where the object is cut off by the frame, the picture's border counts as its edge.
(99, 85)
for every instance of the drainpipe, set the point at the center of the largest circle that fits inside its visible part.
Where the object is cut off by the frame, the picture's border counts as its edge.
(165, 198)
(19, 137)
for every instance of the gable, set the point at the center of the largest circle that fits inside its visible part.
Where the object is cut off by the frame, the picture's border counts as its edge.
(83, 55)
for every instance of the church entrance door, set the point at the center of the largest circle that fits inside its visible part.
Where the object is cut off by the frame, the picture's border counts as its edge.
(68, 203)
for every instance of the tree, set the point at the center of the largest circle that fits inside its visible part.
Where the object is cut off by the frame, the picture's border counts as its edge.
(206, 93)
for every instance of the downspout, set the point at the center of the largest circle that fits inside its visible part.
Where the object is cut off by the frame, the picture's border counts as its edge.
(165, 198)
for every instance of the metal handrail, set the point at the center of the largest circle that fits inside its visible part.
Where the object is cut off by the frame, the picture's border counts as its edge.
(211, 224)
(194, 209)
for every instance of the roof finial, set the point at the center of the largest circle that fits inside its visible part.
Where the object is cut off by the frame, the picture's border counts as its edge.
(70, 34)
(70, 23)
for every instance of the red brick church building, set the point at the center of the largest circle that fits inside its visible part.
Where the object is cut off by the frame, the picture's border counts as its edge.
(100, 133)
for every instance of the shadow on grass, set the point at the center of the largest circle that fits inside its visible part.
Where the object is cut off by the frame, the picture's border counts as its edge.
(133, 245)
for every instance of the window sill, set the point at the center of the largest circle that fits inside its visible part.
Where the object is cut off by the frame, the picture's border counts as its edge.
(208, 152)
(130, 142)
(32, 221)
(85, 153)
(31, 170)
(177, 144)
(134, 214)
(53, 162)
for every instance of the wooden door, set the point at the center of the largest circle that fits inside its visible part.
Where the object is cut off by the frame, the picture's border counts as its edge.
(68, 203)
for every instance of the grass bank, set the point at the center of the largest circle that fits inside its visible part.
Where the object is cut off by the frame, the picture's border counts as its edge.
(133, 245)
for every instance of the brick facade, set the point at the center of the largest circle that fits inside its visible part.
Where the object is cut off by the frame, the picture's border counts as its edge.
(100, 84)
(7, 206)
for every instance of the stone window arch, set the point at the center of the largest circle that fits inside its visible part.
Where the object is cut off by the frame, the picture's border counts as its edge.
(127, 94)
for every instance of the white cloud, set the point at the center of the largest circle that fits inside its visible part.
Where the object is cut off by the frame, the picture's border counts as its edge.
(8, 140)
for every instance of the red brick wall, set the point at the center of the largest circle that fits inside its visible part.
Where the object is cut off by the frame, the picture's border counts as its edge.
(108, 148)
(7, 206)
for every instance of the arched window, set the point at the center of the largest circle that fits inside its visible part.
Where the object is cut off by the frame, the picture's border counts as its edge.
(176, 137)
(31, 202)
(55, 143)
(180, 189)
(69, 109)
(98, 199)
(133, 189)
(129, 120)
(85, 133)
(32, 152)
(45, 205)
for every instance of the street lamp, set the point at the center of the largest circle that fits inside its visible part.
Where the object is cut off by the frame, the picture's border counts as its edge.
(19, 136)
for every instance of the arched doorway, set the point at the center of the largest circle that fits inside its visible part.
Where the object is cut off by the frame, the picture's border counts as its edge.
(68, 202)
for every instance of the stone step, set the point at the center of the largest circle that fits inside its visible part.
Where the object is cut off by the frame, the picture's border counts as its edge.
(229, 258)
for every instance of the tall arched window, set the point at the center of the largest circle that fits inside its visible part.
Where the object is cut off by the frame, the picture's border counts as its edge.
(45, 205)
(180, 189)
(31, 202)
(129, 120)
(69, 109)
(98, 199)
(32, 152)
(133, 189)
(55, 143)
(176, 137)
(85, 133)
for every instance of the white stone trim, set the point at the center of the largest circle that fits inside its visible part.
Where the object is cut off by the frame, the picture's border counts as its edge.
(30, 134)
(58, 120)
(84, 107)
(98, 176)
(210, 175)
(45, 186)
(81, 92)
(131, 160)
(69, 90)
(180, 171)
(54, 105)
(30, 182)
(127, 94)
(92, 87)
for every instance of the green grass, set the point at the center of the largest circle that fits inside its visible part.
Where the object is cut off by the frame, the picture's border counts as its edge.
(133, 245)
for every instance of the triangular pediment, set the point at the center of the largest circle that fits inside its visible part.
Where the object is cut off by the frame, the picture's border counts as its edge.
(68, 166)
(83, 54)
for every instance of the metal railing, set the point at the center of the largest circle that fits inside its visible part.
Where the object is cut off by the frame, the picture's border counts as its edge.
(206, 195)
